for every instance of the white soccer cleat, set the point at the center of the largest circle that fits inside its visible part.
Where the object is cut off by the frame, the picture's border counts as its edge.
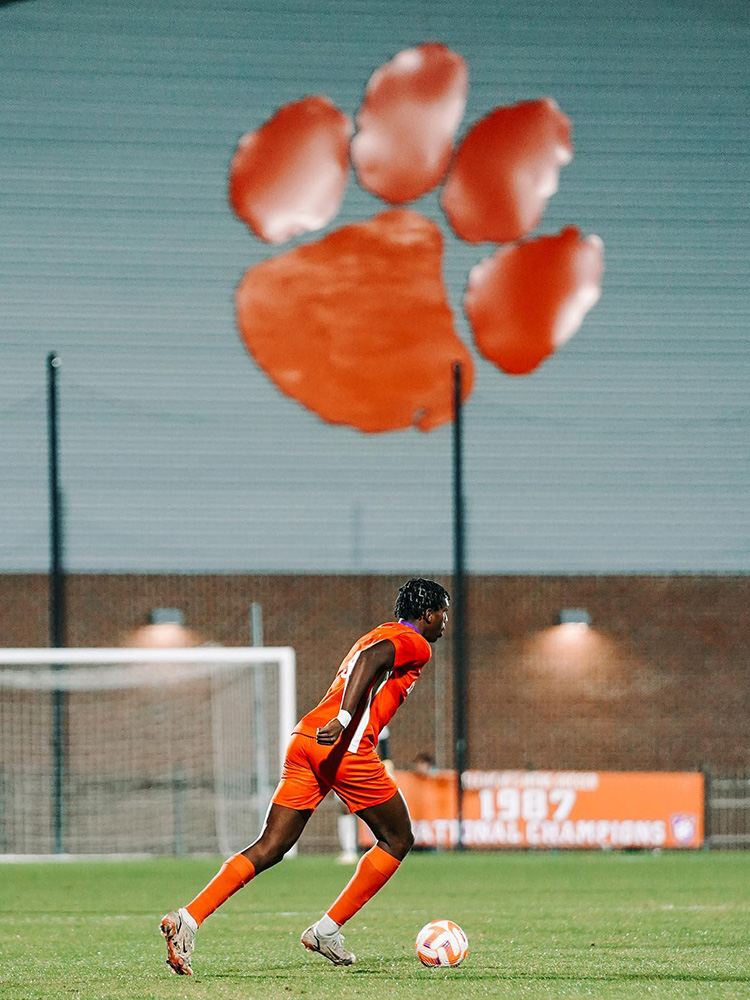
(331, 948)
(180, 943)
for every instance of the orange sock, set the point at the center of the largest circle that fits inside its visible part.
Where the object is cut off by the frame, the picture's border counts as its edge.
(233, 874)
(373, 871)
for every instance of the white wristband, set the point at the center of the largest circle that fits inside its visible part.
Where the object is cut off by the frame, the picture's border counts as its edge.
(344, 717)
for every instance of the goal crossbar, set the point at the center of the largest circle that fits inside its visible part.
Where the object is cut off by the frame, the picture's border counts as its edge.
(108, 654)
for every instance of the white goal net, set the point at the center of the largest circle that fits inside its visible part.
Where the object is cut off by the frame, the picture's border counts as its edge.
(132, 751)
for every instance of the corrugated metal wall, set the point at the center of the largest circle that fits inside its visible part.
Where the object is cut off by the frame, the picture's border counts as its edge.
(626, 452)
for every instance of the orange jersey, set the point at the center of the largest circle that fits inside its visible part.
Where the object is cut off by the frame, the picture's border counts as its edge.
(379, 704)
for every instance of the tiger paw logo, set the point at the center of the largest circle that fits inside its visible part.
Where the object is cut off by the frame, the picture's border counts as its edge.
(357, 326)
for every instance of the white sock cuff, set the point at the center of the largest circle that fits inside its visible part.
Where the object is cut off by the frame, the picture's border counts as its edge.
(327, 927)
(190, 921)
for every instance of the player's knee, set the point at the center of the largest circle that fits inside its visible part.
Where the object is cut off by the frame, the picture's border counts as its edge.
(268, 851)
(267, 857)
(401, 843)
(276, 856)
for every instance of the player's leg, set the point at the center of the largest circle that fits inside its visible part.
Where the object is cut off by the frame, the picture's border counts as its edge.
(297, 795)
(281, 831)
(391, 825)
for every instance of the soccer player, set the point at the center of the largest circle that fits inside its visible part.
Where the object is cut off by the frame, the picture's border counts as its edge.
(333, 747)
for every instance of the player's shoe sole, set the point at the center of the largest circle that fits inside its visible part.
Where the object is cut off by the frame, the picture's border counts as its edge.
(331, 948)
(179, 940)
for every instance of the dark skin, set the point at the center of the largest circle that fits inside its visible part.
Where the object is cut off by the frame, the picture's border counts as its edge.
(388, 821)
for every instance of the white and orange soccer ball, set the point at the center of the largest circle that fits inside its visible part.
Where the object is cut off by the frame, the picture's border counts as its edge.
(442, 943)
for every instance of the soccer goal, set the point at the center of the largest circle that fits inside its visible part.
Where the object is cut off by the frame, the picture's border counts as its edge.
(140, 751)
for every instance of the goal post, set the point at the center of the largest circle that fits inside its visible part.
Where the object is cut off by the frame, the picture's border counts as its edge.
(162, 750)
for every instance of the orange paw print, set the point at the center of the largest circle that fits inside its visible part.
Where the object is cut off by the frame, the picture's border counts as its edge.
(357, 326)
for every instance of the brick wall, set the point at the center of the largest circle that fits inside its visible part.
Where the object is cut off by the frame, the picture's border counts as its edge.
(659, 682)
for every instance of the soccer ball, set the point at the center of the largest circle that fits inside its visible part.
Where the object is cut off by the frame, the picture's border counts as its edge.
(442, 942)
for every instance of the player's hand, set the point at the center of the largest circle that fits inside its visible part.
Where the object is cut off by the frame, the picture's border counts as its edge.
(328, 734)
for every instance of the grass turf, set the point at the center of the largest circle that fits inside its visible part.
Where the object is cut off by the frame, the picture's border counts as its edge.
(539, 925)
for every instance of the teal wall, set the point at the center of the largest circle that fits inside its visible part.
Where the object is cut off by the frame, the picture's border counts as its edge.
(626, 452)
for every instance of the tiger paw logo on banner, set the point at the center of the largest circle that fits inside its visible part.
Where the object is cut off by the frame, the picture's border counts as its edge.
(357, 325)
(684, 828)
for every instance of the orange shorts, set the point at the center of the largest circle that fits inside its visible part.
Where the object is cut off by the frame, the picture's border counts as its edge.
(311, 771)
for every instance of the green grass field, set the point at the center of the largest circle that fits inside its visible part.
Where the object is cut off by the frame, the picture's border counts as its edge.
(539, 925)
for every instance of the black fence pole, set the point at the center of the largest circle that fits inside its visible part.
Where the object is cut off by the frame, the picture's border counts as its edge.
(459, 602)
(57, 620)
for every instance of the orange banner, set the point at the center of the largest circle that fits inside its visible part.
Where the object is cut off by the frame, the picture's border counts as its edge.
(556, 809)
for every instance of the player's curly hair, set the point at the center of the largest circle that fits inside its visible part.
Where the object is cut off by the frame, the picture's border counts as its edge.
(417, 596)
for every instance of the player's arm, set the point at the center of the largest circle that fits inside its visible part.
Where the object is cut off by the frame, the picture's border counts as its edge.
(371, 664)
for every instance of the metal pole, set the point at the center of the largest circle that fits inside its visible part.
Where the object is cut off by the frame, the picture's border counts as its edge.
(459, 601)
(263, 789)
(56, 599)
(179, 790)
